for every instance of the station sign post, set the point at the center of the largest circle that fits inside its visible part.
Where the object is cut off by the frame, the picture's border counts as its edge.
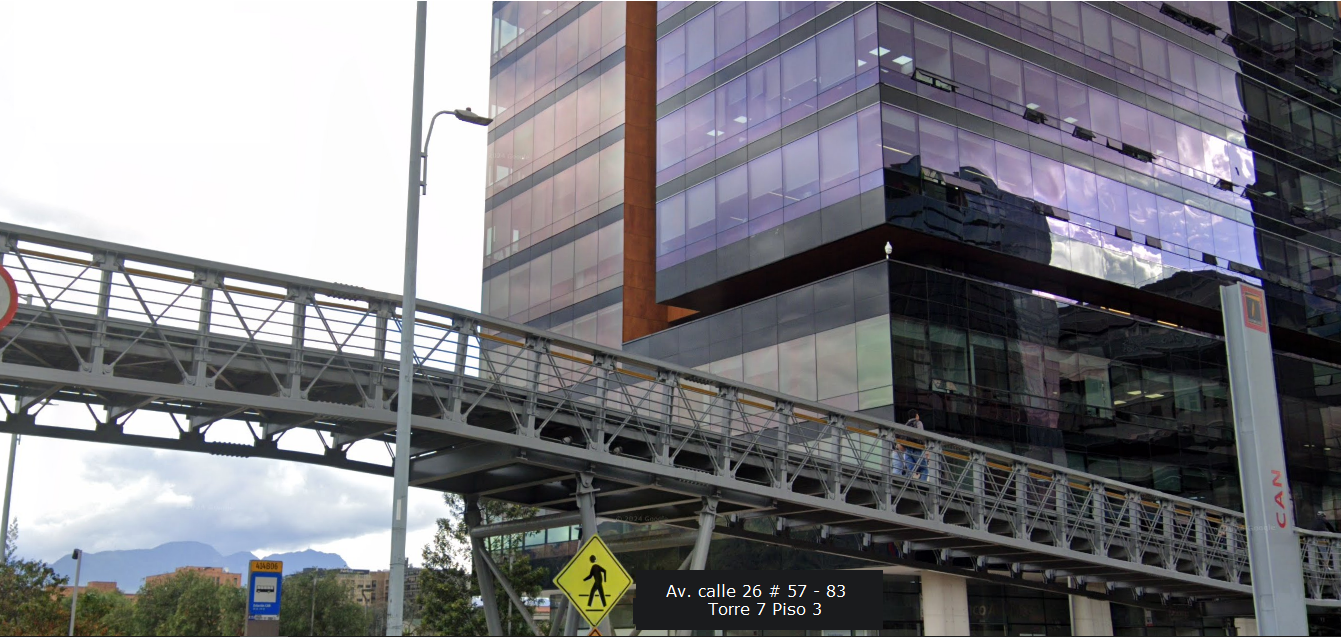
(265, 579)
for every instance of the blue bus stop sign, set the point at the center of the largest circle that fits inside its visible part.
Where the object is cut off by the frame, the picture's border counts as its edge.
(263, 590)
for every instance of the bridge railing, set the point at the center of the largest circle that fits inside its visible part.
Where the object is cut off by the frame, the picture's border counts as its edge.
(125, 311)
(660, 413)
(1321, 553)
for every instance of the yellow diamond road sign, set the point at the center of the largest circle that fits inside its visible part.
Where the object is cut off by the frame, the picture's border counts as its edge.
(593, 581)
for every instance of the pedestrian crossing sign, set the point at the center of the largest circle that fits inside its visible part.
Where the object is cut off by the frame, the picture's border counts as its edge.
(593, 581)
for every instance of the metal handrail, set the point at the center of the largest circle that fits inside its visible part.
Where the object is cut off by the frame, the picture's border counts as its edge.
(543, 369)
(34, 235)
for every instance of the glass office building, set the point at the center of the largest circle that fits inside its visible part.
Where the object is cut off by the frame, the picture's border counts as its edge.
(569, 221)
(1064, 186)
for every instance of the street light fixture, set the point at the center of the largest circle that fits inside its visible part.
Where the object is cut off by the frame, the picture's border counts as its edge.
(470, 117)
(405, 386)
(466, 115)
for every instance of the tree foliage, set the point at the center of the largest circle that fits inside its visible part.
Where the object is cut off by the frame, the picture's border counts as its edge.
(31, 600)
(189, 604)
(448, 588)
(320, 597)
(104, 613)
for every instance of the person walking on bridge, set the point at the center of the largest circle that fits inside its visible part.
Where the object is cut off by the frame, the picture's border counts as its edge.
(1321, 523)
(915, 462)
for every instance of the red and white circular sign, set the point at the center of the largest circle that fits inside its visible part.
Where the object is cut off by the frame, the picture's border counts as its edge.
(9, 298)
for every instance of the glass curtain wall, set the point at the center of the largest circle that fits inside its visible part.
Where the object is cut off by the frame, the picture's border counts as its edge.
(1138, 185)
(1123, 143)
(1082, 387)
(554, 230)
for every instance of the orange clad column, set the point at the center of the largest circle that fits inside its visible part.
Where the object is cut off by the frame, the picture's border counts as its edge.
(642, 314)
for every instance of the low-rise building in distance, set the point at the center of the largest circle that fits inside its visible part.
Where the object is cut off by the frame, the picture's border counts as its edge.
(219, 575)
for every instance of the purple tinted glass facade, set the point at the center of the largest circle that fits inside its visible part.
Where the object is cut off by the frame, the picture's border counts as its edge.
(1135, 154)
(820, 71)
(554, 232)
(837, 162)
(1128, 219)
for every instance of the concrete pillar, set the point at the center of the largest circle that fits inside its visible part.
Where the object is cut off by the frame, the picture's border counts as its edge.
(944, 604)
(1245, 626)
(1091, 617)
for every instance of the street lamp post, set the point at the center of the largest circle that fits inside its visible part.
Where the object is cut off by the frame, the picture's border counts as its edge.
(405, 387)
(312, 619)
(9, 489)
(74, 592)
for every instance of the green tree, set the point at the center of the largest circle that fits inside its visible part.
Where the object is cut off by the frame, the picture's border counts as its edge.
(321, 594)
(446, 590)
(105, 613)
(29, 593)
(189, 604)
(31, 599)
(11, 536)
(448, 586)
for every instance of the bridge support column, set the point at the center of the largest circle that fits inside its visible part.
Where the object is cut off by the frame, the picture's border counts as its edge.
(208, 281)
(1091, 616)
(1245, 626)
(707, 521)
(488, 597)
(945, 608)
(558, 609)
(570, 622)
(586, 506)
(464, 328)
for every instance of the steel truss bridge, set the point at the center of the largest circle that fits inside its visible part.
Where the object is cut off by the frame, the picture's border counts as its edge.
(512, 413)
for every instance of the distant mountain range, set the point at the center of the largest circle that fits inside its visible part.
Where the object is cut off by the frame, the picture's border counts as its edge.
(129, 568)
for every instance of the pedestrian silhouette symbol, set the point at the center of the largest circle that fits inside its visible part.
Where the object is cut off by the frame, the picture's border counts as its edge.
(597, 575)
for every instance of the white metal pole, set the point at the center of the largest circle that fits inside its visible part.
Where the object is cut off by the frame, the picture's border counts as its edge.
(312, 619)
(9, 489)
(74, 597)
(405, 391)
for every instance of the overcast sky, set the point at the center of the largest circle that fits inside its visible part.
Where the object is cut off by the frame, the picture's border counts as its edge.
(272, 135)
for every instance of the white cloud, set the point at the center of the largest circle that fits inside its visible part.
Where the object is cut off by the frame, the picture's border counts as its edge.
(101, 497)
(270, 135)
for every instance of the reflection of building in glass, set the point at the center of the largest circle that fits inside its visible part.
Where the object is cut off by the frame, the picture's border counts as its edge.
(1289, 86)
(1065, 186)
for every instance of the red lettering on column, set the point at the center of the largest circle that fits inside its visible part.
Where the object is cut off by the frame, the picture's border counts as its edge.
(1282, 517)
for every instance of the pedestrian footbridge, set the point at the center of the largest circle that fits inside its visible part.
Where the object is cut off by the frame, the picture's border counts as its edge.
(513, 413)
